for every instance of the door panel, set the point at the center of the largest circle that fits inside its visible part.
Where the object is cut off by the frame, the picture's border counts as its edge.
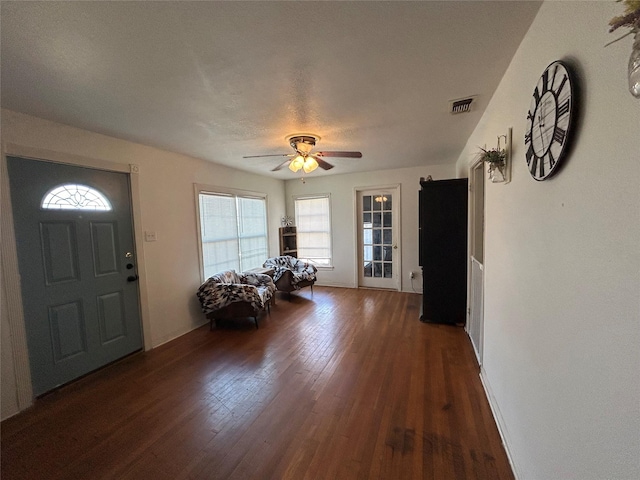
(74, 258)
(105, 249)
(111, 316)
(67, 330)
(60, 252)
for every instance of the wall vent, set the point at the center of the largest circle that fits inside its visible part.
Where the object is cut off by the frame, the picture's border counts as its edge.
(462, 105)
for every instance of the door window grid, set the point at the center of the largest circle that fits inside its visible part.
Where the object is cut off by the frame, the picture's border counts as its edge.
(377, 235)
(233, 232)
(72, 196)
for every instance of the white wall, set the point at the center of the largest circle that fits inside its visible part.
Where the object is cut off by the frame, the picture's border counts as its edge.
(167, 206)
(341, 188)
(562, 263)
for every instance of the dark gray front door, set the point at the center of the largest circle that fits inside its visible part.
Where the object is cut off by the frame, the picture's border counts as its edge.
(77, 265)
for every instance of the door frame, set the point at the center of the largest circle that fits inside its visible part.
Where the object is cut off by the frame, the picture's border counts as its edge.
(476, 169)
(397, 218)
(10, 271)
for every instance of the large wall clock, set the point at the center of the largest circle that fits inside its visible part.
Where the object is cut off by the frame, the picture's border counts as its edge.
(550, 121)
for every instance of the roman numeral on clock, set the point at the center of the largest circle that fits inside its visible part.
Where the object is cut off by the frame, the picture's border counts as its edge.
(529, 154)
(564, 108)
(533, 167)
(536, 95)
(552, 161)
(545, 80)
(561, 86)
(559, 135)
(553, 79)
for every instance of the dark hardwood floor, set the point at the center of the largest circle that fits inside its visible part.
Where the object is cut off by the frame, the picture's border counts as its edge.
(345, 384)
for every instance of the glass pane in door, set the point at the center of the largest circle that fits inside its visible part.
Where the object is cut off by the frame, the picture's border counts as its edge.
(377, 236)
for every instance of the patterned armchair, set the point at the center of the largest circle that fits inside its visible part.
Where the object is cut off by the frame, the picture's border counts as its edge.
(291, 274)
(230, 294)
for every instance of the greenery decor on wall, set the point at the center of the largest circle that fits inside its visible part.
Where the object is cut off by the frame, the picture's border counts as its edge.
(498, 160)
(630, 19)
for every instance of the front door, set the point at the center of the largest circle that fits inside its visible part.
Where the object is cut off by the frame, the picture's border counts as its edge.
(378, 238)
(74, 236)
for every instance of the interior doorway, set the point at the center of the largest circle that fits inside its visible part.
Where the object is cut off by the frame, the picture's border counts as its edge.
(475, 324)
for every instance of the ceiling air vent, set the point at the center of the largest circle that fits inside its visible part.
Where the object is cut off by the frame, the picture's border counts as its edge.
(462, 105)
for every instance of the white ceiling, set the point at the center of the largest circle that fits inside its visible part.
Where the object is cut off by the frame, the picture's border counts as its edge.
(219, 80)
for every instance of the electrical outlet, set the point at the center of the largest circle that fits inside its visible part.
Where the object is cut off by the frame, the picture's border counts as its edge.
(412, 275)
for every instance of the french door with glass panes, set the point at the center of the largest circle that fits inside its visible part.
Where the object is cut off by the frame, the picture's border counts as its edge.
(378, 238)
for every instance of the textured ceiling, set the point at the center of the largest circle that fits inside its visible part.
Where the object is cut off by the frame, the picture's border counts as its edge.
(219, 80)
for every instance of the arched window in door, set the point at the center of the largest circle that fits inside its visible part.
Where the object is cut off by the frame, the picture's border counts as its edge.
(72, 196)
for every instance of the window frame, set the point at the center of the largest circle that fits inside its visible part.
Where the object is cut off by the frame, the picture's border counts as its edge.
(231, 192)
(330, 266)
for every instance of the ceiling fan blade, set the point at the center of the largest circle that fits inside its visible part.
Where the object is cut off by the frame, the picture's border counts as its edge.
(282, 165)
(324, 165)
(276, 155)
(340, 154)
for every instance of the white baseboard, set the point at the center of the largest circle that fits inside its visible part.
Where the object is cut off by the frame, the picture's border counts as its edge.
(334, 284)
(500, 423)
(172, 336)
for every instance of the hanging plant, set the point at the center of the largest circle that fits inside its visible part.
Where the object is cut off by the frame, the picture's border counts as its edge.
(497, 160)
(630, 19)
(494, 156)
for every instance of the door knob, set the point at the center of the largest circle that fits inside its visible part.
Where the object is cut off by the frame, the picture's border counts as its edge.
(395, 247)
(132, 278)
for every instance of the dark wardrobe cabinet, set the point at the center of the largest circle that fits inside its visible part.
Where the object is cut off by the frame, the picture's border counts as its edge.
(443, 250)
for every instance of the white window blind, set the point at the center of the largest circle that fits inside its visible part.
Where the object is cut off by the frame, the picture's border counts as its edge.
(313, 222)
(233, 232)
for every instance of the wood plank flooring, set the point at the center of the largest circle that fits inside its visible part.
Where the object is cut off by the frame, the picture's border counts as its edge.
(344, 384)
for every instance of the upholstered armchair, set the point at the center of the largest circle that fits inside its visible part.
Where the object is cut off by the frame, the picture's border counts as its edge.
(291, 274)
(230, 294)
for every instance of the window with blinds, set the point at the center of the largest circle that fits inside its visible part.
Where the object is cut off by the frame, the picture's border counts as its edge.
(233, 232)
(313, 221)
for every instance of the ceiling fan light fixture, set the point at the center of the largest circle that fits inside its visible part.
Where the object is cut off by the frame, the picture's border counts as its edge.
(310, 164)
(302, 158)
(303, 147)
(296, 164)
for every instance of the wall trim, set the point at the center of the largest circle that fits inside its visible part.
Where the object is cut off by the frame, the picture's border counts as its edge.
(497, 416)
(336, 284)
(172, 336)
(11, 280)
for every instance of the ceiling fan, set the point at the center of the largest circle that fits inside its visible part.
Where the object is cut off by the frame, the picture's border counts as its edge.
(302, 158)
